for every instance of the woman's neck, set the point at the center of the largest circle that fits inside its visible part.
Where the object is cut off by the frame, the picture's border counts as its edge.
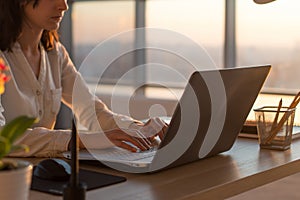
(29, 42)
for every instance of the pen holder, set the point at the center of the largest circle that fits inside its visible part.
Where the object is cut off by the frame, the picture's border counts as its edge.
(275, 127)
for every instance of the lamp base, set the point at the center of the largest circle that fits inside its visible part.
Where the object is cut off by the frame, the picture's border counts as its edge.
(75, 192)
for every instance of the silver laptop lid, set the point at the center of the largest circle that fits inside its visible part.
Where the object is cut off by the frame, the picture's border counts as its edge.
(210, 114)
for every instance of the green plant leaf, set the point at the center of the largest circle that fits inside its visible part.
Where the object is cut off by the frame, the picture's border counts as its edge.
(4, 146)
(16, 127)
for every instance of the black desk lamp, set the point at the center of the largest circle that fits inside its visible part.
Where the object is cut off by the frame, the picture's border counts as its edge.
(263, 1)
(74, 190)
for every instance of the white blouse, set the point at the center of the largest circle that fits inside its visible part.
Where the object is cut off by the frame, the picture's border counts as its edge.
(41, 98)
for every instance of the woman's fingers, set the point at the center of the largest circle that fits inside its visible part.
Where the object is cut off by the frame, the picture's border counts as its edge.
(153, 127)
(142, 137)
(135, 137)
(123, 139)
(125, 146)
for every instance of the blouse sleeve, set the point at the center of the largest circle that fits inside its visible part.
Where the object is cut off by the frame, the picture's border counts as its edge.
(43, 142)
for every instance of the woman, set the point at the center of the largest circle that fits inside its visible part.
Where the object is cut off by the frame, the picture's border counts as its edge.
(42, 75)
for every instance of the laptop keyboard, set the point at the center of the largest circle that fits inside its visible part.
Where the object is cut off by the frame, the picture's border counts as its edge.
(121, 154)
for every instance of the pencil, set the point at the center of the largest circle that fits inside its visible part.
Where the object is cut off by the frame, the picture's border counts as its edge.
(277, 115)
(286, 115)
(274, 124)
(295, 101)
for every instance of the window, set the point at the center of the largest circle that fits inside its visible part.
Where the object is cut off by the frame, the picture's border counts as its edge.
(265, 34)
(270, 34)
(199, 21)
(94, 22)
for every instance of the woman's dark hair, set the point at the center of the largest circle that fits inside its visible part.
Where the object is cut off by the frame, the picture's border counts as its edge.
(11, 19)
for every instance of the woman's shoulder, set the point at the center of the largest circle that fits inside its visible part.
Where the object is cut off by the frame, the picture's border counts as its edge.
(58, 48)
(59, 56)
(58, 52)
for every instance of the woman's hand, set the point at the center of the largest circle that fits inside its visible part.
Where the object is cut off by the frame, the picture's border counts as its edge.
(139, 136)
(131, 140)
(152, 128)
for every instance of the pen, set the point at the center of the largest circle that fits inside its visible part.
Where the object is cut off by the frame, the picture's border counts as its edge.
(284, 118)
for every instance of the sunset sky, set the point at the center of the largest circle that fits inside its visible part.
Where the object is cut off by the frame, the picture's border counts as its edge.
(202, 20)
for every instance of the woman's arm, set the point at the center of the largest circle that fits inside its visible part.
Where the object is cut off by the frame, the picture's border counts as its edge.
(43, 142)
(93, 114)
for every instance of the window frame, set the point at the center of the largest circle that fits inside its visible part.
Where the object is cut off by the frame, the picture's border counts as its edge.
(229, 56)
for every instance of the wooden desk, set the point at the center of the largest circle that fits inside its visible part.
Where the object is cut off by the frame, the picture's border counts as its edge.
(242, 168)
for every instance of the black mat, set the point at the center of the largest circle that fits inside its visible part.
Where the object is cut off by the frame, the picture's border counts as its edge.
(92, 179)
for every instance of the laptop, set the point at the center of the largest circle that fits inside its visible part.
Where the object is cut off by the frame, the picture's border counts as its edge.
(206, 121)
